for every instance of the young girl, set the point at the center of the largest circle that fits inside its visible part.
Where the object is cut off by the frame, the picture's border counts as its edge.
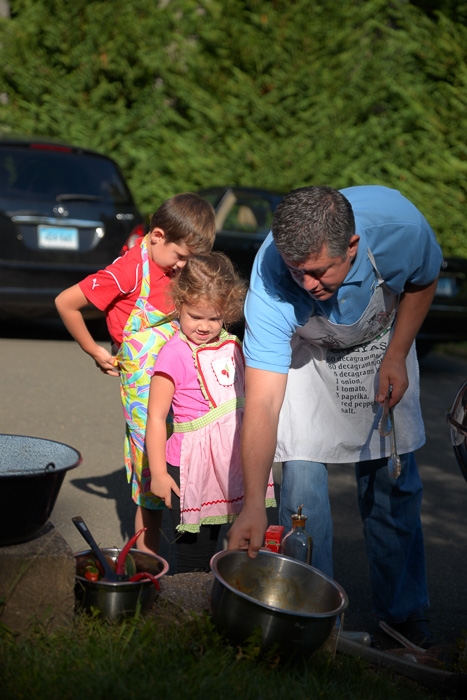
(200, 373)
(132, 292)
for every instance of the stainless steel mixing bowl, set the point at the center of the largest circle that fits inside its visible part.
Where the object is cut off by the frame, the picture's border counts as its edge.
(294, 606)
(119, 599)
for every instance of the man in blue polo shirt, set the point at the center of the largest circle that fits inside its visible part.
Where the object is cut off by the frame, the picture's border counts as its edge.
(338, 292)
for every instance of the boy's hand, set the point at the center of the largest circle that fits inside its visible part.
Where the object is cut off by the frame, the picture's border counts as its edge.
(163, 486)
(105, 361)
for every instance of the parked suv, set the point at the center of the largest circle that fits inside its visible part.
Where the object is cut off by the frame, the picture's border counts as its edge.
(64, 213)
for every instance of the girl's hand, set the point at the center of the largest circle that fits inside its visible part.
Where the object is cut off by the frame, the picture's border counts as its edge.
(105, 361)
(162, 486)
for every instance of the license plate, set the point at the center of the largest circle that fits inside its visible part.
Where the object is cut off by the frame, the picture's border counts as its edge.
(58, 237)
(447, 287)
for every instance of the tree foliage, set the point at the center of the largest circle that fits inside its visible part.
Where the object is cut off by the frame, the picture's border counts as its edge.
(279, 93)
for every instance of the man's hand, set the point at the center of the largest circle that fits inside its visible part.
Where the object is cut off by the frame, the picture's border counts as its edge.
(413, 307)
(393, 371)
(247, 532)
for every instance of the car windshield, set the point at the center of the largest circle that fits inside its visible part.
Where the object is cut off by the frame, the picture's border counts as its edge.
(44, 174)
(243, 212)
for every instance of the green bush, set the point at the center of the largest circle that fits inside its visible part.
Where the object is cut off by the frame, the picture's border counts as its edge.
(186, 94)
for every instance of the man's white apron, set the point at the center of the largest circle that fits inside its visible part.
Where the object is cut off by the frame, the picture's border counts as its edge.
(329, 412)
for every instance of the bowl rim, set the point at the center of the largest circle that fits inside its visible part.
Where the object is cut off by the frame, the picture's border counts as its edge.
(50, 468)
(331, 613)
(119, 584)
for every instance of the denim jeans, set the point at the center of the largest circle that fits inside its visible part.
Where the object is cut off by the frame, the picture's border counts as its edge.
(390, 511)
(307, 483)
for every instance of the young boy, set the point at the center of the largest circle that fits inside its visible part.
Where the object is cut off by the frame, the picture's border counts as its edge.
(132, 292)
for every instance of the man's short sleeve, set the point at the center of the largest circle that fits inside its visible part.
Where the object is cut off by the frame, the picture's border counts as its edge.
(274, 308)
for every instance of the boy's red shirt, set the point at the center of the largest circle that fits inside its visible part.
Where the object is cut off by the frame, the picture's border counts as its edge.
(115, 290)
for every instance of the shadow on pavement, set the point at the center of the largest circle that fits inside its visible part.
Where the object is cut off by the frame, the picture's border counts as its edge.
(112, 486)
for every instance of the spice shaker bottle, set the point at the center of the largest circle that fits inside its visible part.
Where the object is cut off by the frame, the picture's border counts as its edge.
(297, 543)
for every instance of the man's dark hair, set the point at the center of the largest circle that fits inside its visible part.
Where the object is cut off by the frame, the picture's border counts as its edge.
(309, 220)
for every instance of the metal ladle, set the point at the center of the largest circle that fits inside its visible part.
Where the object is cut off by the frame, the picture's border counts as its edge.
(109, 573)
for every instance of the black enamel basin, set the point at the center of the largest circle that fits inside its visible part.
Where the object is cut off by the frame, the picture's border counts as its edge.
(31, 475)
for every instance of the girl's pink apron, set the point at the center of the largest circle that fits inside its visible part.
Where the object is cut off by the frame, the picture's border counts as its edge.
(145, 332)
(211, 483)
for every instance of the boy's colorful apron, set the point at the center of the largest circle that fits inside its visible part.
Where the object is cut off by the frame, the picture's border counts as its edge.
(211, 483)
(145, 332)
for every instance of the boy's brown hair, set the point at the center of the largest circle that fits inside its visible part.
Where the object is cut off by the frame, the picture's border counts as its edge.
(211, 278)
(188, 219)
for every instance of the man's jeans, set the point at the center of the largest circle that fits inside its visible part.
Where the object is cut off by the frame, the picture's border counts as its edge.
(390, 511)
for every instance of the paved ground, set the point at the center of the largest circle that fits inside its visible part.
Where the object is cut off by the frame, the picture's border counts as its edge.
(51, 389)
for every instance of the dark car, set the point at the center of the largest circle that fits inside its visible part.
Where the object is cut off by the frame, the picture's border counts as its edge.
(244, 216)
(64, 213)
(446, 321)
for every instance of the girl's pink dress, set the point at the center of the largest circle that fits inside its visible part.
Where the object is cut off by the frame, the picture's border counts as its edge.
(211, 483)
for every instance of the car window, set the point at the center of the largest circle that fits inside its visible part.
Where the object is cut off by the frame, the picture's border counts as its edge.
(43, 175)
(252, 214)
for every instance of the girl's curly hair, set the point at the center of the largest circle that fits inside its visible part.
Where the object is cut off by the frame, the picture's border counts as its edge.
(211, 278)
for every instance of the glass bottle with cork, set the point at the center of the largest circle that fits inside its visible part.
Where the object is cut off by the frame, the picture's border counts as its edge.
(297, 543)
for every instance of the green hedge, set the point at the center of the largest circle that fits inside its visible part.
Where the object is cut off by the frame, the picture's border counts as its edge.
(282, 93)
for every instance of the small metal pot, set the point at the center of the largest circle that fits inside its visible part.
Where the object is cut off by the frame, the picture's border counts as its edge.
(294, 606)
(115, 600)
(31, 475)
